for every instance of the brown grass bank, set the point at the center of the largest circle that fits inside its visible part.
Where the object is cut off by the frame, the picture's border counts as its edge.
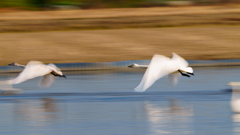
(29, 21)
(196, 33)
(193, 43)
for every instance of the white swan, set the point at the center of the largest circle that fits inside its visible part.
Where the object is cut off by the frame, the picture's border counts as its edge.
(134, 65)
(160, 66)
(35, 69)
(235, 100)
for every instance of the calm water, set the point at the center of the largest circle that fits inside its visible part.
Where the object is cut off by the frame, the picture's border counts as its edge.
(105, 104)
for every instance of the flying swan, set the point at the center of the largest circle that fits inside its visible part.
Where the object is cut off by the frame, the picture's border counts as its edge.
(160, 66)
(235, 100)
(35, 69)
(134, 65)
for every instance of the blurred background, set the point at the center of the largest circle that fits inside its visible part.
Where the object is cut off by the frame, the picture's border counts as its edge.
(66, 31)
(99, 98)
(90, 4)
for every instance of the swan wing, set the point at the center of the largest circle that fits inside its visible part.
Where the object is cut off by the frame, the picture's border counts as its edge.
(179, 60)
(53, 66)
(47, 81)
(158, 67)
(55, 69)
(33, 69)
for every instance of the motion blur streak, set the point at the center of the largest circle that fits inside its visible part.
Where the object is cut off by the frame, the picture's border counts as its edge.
(94, 41)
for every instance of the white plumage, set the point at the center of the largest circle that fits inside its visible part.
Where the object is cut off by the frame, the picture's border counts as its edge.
(35, 69)
(235, 100)
(160, 66)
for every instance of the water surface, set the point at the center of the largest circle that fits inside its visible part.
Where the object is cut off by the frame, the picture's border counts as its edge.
(105, 103)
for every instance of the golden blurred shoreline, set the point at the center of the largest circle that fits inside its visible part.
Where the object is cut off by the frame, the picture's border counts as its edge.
(105, 35)
(121, 18)
(116, 12)
(192, 43)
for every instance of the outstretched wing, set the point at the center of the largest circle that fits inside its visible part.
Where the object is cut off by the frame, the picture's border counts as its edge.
(47, 81)
(55, 69)
(158, 67)
(53, 66)
(179, 60)
(33, 69)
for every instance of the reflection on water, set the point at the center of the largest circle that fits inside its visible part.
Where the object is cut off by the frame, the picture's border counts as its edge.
(106, 104)
(169, 120)
(236, 123)
(36, 112)
(236, 117)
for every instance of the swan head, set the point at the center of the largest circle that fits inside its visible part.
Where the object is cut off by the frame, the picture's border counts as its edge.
(16, 64)
(188, 70)
(133, 65)
(13, 64)
(57, 72)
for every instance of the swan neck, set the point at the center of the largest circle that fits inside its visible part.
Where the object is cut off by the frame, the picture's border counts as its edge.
(19, 65)
(145, 66)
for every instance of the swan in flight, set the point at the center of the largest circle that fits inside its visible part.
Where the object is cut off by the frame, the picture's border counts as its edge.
(134, 65)
(35, 69)
(235, 100)
(160, 66)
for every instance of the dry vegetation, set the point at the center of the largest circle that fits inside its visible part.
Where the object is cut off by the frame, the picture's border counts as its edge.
(201, 43)
(215, 35)
(26, 21)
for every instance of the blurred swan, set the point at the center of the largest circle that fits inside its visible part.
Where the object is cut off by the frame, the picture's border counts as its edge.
(160, 66)
(35, 69)
(235, 100)
(235, 105)
(134, 65)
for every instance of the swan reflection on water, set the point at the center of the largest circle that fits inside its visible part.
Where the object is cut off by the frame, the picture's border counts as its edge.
(36, 111)
(160, 118)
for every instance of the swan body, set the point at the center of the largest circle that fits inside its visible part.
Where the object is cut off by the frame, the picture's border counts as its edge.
(235, 100)
(160, 66)
(35, 69)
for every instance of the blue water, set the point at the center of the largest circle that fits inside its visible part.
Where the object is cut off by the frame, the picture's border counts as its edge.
(104, 103)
